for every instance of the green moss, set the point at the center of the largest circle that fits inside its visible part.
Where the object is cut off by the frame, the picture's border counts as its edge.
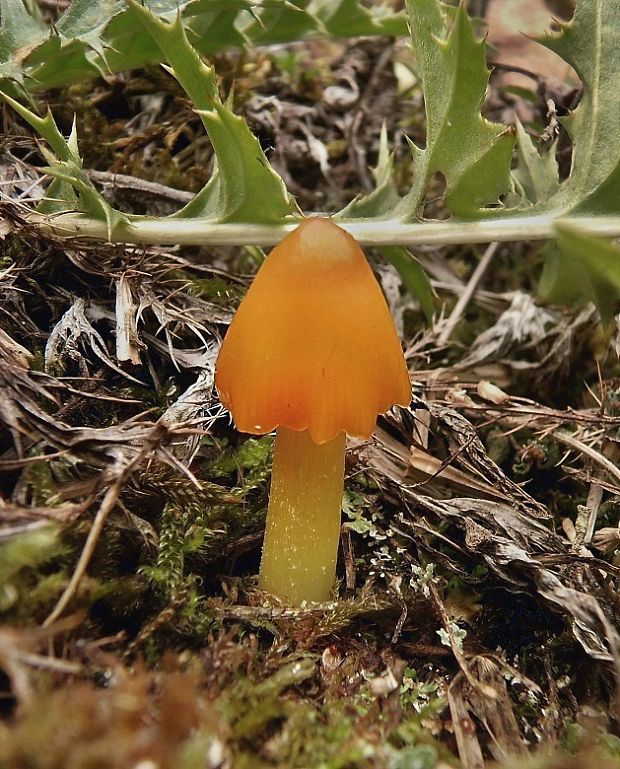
(216, 290)
(21, 556)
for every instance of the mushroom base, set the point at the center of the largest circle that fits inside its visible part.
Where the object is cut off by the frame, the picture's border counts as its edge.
(303, 519)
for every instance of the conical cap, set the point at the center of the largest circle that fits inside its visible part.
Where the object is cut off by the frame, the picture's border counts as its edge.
(312, 345)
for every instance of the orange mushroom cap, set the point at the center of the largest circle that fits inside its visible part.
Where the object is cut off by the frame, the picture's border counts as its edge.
(312, 345)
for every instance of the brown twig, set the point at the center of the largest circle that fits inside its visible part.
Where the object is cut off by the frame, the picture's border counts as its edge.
(470, 289)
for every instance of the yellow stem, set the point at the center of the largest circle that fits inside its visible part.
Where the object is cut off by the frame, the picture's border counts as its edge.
(303, 519)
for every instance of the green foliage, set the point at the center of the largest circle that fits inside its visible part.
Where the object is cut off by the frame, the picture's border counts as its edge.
(385, 196)
(590, 43)
(582, 266)
(536, 174)
(420, 757)
(415, 694)
(251, 462)
(353, 506)
(381, 202)
(244, 175)
(91, 38)
(65, 165)
(170, 550)
(21, 554)
(472, 154)
(414, 279)
(230, 706)
(194, 522)
(19, 32)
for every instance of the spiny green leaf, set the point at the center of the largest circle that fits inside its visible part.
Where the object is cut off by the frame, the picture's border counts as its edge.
(249, 189)
(19, 33)
(213, 27)
(46, 127)
(206, 203)
(90, 200)
(471, 153)
(379, 202)
(537, 174)
(57, 62)
(87, 20)
(66, 167)
(590, 43)
(344, 18)
(285, 20)
(76, 45)
(583, 266)
(66, 50)
(93, 37)
(384, 197)
(60, 194)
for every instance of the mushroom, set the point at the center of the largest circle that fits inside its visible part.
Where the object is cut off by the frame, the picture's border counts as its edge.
(313, 353)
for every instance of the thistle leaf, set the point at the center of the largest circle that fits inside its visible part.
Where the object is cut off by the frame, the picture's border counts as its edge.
(66, 168)
(72, 49)
(536, 174)
(344, 18)
(92, 37)
(20, 33)
(583, 266)
(379, 202)
(206, 203)
(471, 153)
(249, 189)
(86, 20)
(590, 43)
(283, 21)
(384, 197)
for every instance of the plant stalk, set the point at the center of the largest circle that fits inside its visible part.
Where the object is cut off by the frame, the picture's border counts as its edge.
(303, 519)
(367, 232)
